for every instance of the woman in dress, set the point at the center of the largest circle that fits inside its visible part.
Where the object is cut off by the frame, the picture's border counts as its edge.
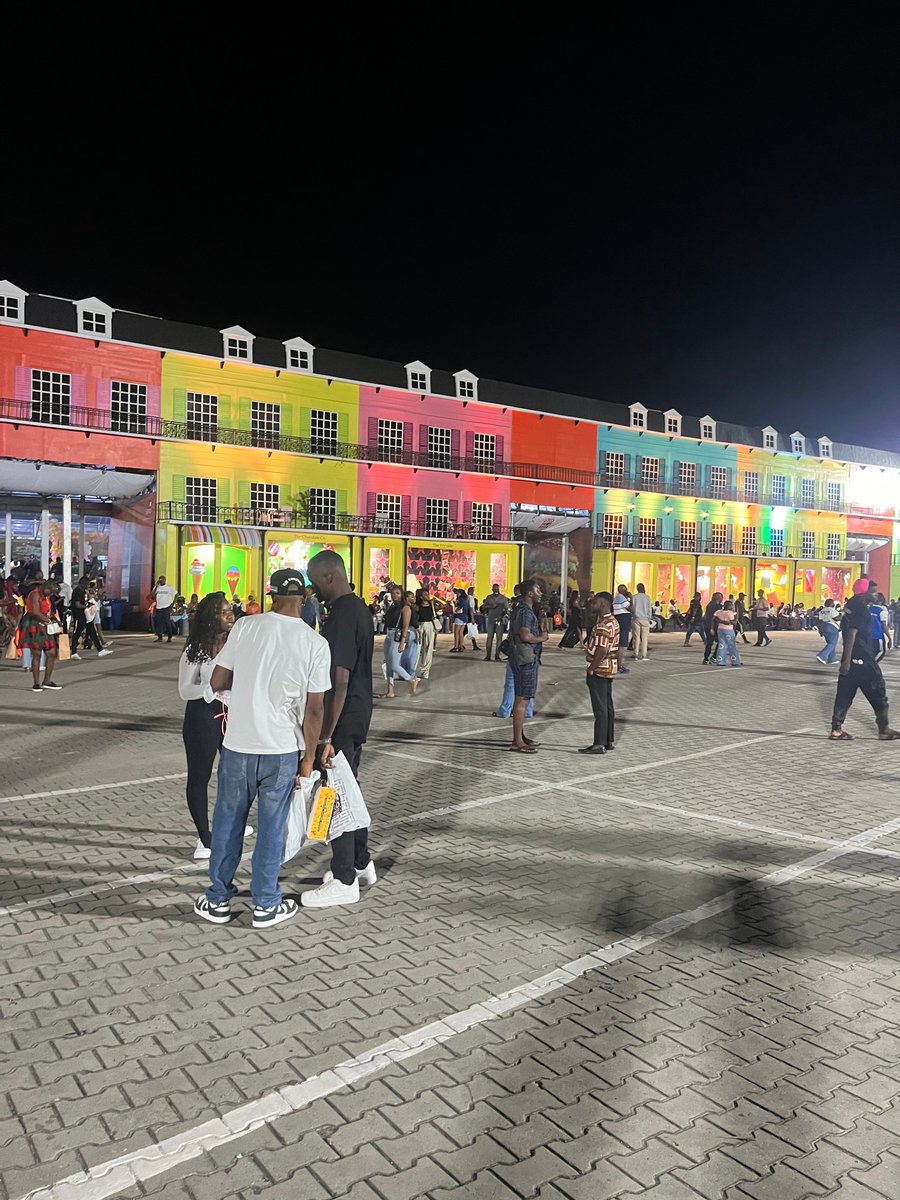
(36, 637)
(205, 710)
(397, 621)
(460, 620)
(427, 611)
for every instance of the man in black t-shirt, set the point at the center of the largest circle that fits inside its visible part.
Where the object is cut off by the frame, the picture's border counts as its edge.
(348, 712)
(859, 671)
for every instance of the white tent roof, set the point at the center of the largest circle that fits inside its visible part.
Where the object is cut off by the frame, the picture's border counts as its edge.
(51, 479)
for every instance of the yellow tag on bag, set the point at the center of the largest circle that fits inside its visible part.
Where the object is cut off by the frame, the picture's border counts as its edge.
(320, 814)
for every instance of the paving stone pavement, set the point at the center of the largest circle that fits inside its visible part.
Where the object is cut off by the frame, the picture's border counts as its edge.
(747, 1049)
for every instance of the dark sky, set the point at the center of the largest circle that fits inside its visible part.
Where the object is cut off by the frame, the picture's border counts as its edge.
(698, 217)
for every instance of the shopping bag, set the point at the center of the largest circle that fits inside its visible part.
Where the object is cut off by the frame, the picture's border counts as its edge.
(12, 650)
(350, 810)
(472, 630)
(320, 812)
(63, 648)
(298, 816)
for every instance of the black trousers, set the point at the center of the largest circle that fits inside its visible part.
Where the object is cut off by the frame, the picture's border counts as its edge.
(162, 626)
(86, 631)
(202, 734)
(866, 679)
(604, 712)
(761, 625)
(350, 851)
(711, 641)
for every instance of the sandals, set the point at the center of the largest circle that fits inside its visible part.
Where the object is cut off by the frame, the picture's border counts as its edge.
(839, 736)
(523, 749)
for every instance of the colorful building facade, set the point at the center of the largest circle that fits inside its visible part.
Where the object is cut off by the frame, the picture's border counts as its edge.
(263, 452)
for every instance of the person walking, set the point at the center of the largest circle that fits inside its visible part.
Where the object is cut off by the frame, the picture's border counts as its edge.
(829, 629)
(602, 666)
(740, 623)
(525, 655)
(429, 620)
(495, 608)
(760, 610)
(397, 622)
(345, 726)
(642, 614)
(622, 613)
(205, 711)
(38, 635)
(409, 646)
(858, 670)
(724, 620)
(694, 619)
(83, 616)
(709, 627)
(164, 595)
(278, 671)
(473, 616)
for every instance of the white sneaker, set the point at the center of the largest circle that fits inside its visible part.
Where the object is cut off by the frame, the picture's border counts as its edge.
(248, 831)
(264, 917)
(103, 653)
(78, 656)
(366, 878)
(201, 851)
(331, 893)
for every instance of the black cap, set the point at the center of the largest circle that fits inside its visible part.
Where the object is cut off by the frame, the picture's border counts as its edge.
(287, 582)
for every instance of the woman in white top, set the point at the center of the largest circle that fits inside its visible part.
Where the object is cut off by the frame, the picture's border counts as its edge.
(205, 710)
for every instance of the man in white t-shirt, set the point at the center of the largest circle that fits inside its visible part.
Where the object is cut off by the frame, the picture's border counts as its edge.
(278, 670)
(164, 595)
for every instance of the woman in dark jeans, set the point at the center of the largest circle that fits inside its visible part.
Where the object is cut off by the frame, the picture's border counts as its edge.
(205, 710)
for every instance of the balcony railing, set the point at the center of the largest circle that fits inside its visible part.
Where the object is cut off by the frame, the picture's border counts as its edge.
(102, 421)
(710, 547)
(297, 519)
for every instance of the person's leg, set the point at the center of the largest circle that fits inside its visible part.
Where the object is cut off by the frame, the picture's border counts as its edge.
(396, 669)
(490, 625)
(509, 693)
(872, 687)
(708, 643)
(610, 714)
(202, 736)
(518, 714)
(722, 647)
(846, 690)
(49, 664)
(733, 651)
(426, 650)
(760, 631)
(236, 787)
(275, 775)
(597, 710)
(409, 659)
(36, 667)
(90, 635)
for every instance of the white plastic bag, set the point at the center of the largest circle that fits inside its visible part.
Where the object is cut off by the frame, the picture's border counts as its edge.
(350, 810)
(472, 630)
(298, 813)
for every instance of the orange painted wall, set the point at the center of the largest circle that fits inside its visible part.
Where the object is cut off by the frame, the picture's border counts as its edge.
(555, 495)
(554, 441)
(48, 443)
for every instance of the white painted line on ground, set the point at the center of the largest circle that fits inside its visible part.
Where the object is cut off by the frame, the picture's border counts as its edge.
(125, 1171)
(94, 787)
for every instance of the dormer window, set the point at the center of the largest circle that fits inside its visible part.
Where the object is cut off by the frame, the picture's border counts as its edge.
(824, 447)
(418, 377)
(237, 344)
(770, 438)
(638, 416)
(466, 385)
(673, 421)
(299, 355)
(94, 317)
(707, 429)
(797, 443)
(12, 303)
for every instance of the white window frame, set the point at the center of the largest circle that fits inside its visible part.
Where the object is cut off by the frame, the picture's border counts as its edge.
(707, 429)
(798, 442)
(776, 542)
(437, 518)
(323, 431)
(51, 392)
(687, 537)
(833, 493)
(390, 440)
(298, 355)
(650, 467)
(132, 397)
(718, 538)
(388, 513)
(10, 294)
(482, 520)
(808, 543)
(418, 376)
(687, 477)
(779, 489)
(202, 431)
(613, 529)
(90, 311)
(203, 506)
(673, 421)
(718, 480)
(638, 418)
(234, 340)
(825, 445)
(265, 424)
(751, 489)
(484, 449)
(808, 493)
(770, 438)
(832, 546)
(439, 438)
(615, 459)
(466, 385)
(648, 532)
(750, 540)
(322, 508)
(264, 498)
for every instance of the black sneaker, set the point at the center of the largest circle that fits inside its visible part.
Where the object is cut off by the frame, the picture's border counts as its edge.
(36, 687)
(53, 686)
(264, 917)
(219, 914)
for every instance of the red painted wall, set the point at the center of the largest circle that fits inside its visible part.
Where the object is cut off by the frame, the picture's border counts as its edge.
(554, 441)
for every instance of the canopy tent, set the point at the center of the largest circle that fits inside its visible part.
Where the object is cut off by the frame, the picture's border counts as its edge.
(25, 478)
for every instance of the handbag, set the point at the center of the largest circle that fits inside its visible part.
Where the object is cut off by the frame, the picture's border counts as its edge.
(53, 628)
(437, 625)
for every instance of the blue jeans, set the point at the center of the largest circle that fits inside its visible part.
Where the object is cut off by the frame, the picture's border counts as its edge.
(241, 779)
(829, 654)
(727, 647)
(509, 694)
(393, 659)
(410, 657)
(692, 629)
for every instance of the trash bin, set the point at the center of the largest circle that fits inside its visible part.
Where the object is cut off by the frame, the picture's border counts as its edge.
(118, 611)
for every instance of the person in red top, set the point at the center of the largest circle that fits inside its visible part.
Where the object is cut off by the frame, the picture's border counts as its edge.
(602, 665)
(36, 638)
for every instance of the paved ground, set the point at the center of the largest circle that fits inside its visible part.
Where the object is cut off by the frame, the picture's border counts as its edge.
(671, 972)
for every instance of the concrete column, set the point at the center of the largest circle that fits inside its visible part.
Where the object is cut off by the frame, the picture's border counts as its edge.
(67, 539)
(564, 575)
(45, 541)
(81, 539)
(8, 546)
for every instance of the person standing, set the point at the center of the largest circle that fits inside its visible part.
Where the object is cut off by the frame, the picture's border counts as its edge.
(36, 636)
(312, 610)
(740, 612)
(278, 671)
(760, 609)
(83, 616)
(642, 610)
(509, 684)
(828, 627)
(460, 620)
(723, 629)
(694, 619)
(348, 714)
(396, 638)
(252, 607)
(473, 615)
(525, 655)
(428, 622)
(495, 608)
(858, 670)
(602, 666)
(709, 627)
(164, 595)
(622, 613)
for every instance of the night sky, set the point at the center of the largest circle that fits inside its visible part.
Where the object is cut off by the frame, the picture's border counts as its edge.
(684, 216)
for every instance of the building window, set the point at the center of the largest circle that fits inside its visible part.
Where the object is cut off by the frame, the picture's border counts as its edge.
(465, 388)
(418, 381)
(51, 397)
(673, 421)
(647, 533)
(482, 520)
(200, 498)
(485, 448)
(687, 477)
(439, 446)
(748, 539)
(769, 439)
(390, 441)
(10, 308)
(718, 539)
(649, 470)
(825, 449)
(833, 546)
(834, 495)
(128, 407)
(808, 491)
(613, 529)
(265, 424)
(707, 431)
(94, 322)
(387, 513)
(237, 347)
(615, 464)
(202, 417)
(751, 485)
(298, 359)
(323, 432)
(718, 480)
(265, 500)
(777, 542)
(796, 444)
(638, 418)
(779, 483)
(808, 543)
(437, 518)
(687, 537)
(322, 512)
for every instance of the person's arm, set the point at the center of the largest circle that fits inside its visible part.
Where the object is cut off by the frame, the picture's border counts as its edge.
(525, 635)
(405, 616)
(334, 706)
(223, 672)
(189, 684)
(847, 651)
(602, 652)
(312, 731)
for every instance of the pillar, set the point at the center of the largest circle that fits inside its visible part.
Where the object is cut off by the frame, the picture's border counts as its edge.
(45, 541)
(81, 539)
(8, 547)
(67, 539)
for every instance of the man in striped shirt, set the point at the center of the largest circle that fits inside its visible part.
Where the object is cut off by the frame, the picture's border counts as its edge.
(602, 665)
